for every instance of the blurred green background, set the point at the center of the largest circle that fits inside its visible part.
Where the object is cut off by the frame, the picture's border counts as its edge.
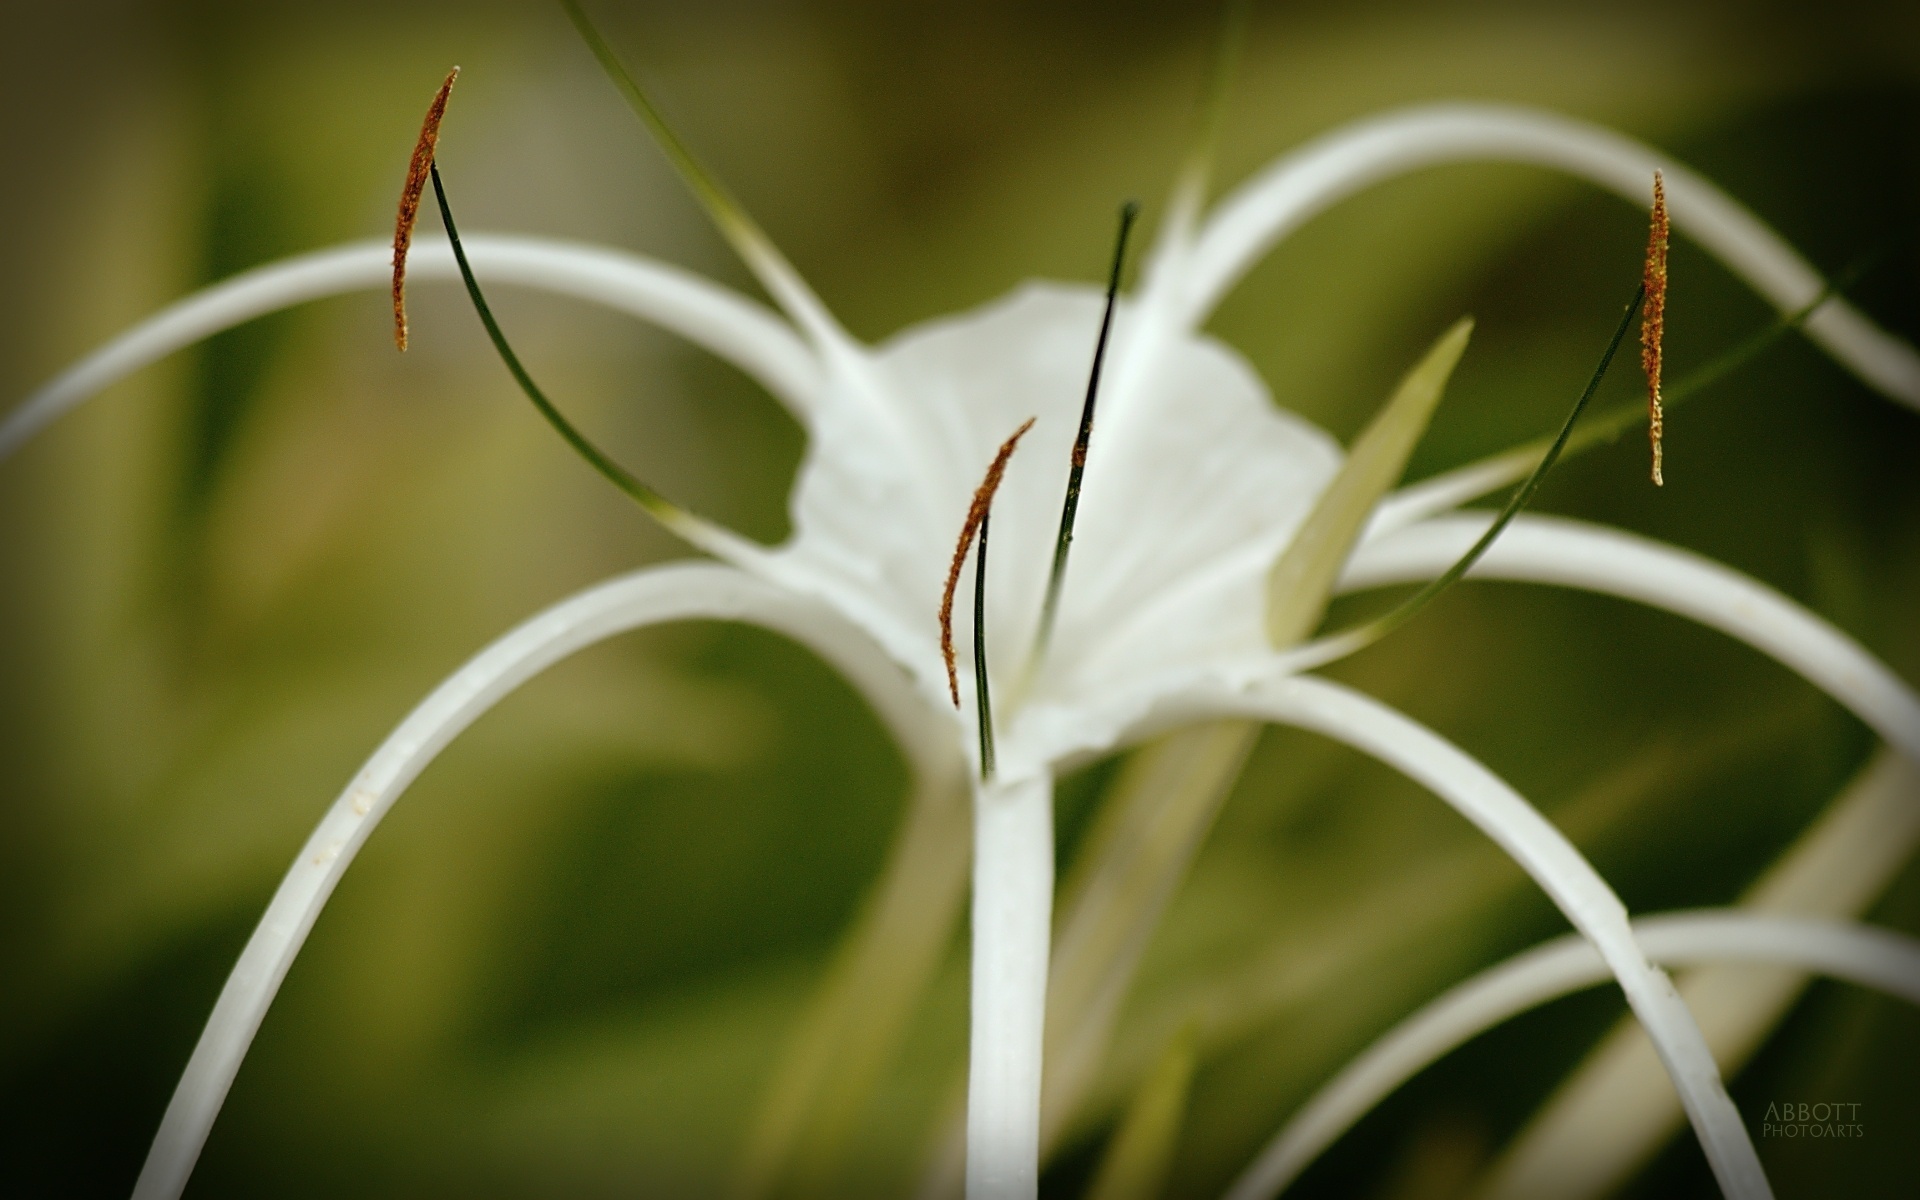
(569, 960)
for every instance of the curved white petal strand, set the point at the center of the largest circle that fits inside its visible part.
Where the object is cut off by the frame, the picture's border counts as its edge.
(660, 594)
(1284, 196)
(731, 326)
(717, 319)
(1615, 1111)
(843, 355)
(1012, 931)
(1870, 957)
(1448, 490)
(1595, 558)
(1545, 854)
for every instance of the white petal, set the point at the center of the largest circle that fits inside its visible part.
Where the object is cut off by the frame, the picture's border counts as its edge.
(1285, 195)
(731, 326)
(1012, 929)
(1576, 554)
(1615, 1111)
(1448, 490)
(670, 593)
(1870, 957)
(1183, 507)
(1546, 855)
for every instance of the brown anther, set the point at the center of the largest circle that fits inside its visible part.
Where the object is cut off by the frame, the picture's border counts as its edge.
(417, 172)
(976, 512)
(1653, 320)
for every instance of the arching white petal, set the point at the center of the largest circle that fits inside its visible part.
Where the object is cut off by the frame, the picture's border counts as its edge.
(1539, 849)
(1576, 554)
(1615, 1111)
(1874, 958)
(731, 326)
(1285, 195)
(660, 594)
(1012, 932)
(1448, 490)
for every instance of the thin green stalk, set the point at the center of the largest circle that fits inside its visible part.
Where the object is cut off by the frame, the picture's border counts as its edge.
(1190, 188)
(748, 240)
(726, 211)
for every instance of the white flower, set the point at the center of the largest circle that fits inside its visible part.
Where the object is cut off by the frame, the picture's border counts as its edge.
(1196, 483)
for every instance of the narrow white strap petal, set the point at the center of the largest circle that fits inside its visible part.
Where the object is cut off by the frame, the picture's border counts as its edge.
(1870, 957)
(1012, 931)
(731, 326)
(1555, 550)
(717, 319)
(1285, 195)
(660, 594)
(1448, 490)
(1546, 855)
(1610, 1116)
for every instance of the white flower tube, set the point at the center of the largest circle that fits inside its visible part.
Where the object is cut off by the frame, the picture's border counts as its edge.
(1874, 958)
(1256, 215)
(653, 596)
(733, 327)
(1595, 558)
(1546, 855)
(1012, 930)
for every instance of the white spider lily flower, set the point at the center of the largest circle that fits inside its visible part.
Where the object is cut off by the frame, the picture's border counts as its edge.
(1195, 485)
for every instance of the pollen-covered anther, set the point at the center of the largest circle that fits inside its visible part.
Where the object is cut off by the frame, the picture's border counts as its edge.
(1653, 321)
(976, 512)
(417, 173)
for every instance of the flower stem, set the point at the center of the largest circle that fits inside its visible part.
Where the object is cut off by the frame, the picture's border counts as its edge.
(1012, 923)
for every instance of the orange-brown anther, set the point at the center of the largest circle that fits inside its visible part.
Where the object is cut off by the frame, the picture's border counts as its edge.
(417, 172)
(1653, 320)
(982, 501)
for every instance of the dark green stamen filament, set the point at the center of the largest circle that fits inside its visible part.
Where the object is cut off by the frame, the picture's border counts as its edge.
(668, 513)
(982, 696)
(1056, 577)
(1366, 634)
(1234, 18)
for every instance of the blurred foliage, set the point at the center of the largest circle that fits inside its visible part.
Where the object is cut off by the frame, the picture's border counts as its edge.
(568, 962)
